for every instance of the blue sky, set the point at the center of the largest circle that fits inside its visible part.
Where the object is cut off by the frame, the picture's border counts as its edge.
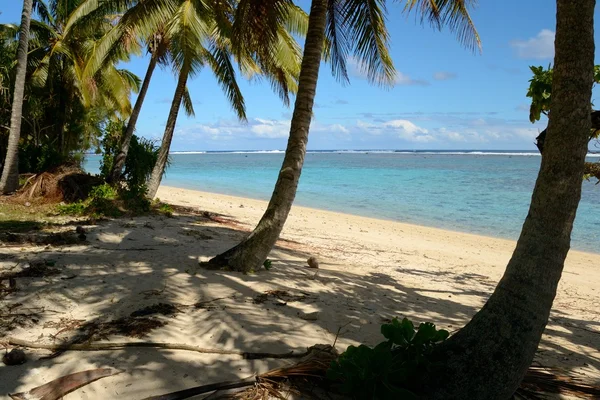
(446, 97)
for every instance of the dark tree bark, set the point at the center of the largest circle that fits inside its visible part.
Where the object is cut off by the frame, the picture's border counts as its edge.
(9, 182)
(541, 138)
(488, 358)
(163, 154)
(253, 251)
(119, 163)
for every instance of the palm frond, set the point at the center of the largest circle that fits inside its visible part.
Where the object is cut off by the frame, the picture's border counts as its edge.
(364, 21)
(188, 33)
(337, 45)
(256, 23)
(131, 80)
(188, 105)
(451, 13)
(219, 60)
(296, 22)
(42, 11)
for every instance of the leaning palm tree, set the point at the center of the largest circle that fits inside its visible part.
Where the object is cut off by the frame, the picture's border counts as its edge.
(356, 26)
(488, 358)
(9, 182)
(200, 36)
(189, 23)
(158, 49)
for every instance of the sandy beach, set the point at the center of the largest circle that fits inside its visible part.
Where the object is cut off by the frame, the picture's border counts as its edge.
(370, 271)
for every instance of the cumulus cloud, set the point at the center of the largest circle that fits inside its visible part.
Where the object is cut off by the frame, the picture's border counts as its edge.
(385, 130)
(444, 76)
(401, 128)
(538, 47)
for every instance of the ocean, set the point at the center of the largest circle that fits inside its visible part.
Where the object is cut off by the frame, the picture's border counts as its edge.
(485, 193)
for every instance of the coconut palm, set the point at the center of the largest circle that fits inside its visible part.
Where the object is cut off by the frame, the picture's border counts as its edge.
(63, 46)
(488, 358)
(9, 182)
(351, 26)
(202, 38)
(204, 29)
(158, 49)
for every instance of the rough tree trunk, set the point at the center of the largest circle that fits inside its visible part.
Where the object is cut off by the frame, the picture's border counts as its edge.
(9, 182)
(163, 153)
(487, 359)
(253, 251)
(117, 168)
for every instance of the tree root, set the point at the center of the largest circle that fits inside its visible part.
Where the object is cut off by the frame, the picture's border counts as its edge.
(169, 346)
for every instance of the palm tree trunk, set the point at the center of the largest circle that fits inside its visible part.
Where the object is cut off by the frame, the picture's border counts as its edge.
(10, 174)
(253, 251)
(487, 359)
(163, 154)
(119, 162)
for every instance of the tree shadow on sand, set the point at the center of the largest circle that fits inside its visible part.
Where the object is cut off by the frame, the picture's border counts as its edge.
(129, 264)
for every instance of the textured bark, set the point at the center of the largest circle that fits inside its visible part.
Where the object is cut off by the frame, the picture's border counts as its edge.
(119, 162)
(253, 251)
(488, 358)
(163, 153)
(9, 182)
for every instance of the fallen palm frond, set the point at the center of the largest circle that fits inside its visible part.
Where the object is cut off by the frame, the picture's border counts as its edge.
(540, 380)
(313, 365)
(59, 387)
(169, 346)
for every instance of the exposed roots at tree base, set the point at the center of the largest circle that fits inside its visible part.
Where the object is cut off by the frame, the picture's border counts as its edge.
(66, 183)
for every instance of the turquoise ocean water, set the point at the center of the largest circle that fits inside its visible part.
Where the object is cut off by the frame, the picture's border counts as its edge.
(484, 193)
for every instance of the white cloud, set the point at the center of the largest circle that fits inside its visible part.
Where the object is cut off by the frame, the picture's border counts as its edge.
(444, 76)
(271, 129)
(419, 130)
(540, 46)
(401, 128)
(358, 70)
(403, 79)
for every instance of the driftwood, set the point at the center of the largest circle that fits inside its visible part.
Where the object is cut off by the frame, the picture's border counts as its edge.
(59, 387)
(169, 346)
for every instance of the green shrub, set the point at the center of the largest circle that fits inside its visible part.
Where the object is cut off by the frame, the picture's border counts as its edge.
(390, 370)
(141, 158)
(165, 209)
(102, 201)
(36, 159)
(77, 208)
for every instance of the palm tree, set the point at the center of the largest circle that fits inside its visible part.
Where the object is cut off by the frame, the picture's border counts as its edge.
(64, 43)
(202, 37)
(9, 182)
(353, 25)
(487, 359)
(157, 47)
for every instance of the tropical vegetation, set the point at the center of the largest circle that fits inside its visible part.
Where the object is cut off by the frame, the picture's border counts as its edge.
(64, 61)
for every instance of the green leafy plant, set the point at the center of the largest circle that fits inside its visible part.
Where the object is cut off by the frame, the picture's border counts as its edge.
(102, 201)
(165, 209)
(390, 370)
(141, 157)
(268, 264)
(77, 208)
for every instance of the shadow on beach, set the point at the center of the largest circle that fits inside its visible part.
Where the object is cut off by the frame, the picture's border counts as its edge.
(129, 264)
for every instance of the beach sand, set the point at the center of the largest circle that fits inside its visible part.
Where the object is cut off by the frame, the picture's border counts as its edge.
(370, 271)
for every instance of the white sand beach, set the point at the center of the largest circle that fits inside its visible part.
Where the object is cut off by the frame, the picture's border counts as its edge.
(370, 271)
